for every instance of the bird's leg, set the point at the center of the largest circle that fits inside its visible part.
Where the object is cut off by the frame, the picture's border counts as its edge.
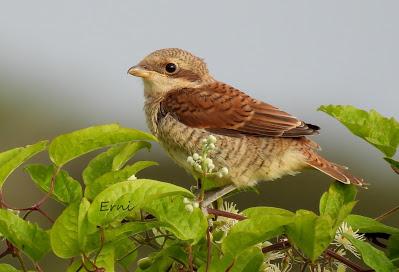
(213, 196)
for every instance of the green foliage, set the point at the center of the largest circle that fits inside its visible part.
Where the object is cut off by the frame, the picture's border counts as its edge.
(72, 145)
(11, 159)
(66, 189)
(107, 222)
(371, 126)
(115, 201)
(373, 257)
(263, 223)
(7, 268)
(369, 225)
(28, 237)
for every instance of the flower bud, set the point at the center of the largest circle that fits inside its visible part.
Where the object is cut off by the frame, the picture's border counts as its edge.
(211, 139)
(196, 156)
(189, 208)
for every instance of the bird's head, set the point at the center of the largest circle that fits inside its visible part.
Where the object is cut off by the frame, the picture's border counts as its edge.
(169, 69)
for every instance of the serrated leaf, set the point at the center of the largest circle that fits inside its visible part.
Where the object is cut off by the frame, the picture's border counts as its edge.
(129, 194)
(26, 236)
(11, 159)
(371, 256)
(101, 164)
(185, 225)
(394, 164)
(263, 223)
(338, 202)
(311, 233)
(66, 189)
(127, 153)
(369, 225)
(376, 129)
(110, 178)
(69, 146)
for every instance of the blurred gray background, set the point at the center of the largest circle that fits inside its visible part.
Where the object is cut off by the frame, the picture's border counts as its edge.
(63, 67)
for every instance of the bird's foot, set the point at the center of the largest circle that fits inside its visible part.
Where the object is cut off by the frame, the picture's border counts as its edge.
(211, 197)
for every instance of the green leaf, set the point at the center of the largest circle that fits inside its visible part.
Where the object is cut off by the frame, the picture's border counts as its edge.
(394, 164)
(338, 202)
(185, 225)
(66, 189)
(106, 258)
(263, 223)
(88, 234)
(72, 233)
(110, 178)
(69, 146)
(393, 249)
(127, 153)
(64, 233)
(368, 225)
(11, 159)
(26, 236)
(101, 164)
(376, 129)
(311, 233)
(8, 268)
(116, 201)
(371, 256)
(248, 260)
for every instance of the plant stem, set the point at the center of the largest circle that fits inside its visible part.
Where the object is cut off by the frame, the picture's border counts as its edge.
(225, 214)
(209, 246)
(345, 261)
(386, 214)
(190, 258)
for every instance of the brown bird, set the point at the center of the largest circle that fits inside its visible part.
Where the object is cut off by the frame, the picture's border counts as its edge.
(255, 140)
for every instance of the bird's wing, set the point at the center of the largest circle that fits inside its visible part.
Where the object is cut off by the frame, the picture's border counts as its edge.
(223, 109)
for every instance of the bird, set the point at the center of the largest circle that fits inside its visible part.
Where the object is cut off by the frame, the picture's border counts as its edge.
(254, 140)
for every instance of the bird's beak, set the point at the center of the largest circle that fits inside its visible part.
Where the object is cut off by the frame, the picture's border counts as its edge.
(139, 71)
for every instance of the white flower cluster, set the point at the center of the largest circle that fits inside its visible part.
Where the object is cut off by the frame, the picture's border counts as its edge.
(202, 163)
(190, 205)
(224, 224)
(341, 240)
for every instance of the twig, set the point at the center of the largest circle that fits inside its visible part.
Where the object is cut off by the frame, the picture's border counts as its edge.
(225, 214)
(209, 246)
(102, 238)
(21, 261)
(345, 261)
(190, 258)
(386, 214)
(277, 246)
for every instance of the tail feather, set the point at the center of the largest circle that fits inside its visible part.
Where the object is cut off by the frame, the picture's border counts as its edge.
(335, 171)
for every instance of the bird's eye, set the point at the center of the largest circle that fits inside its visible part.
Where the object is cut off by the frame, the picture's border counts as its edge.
(171, 68)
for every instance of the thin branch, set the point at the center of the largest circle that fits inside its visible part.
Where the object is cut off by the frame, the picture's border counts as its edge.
(209, 247)
(345, 261)
(225, 214)
(277, 246)
(190, 258)
(21, 261)
(386, 214)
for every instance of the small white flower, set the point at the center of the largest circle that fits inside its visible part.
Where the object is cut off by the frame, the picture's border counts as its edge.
(186, 200)
(189, 207)
(224, 171)
(211, 146)
(212, 139)
(195, 204)
(211, 166)
(198, 167)
(132, 177)
(208, 161)
(196, 156)
(227, 222)
(204, 141)
(190, 160)
(340, 239)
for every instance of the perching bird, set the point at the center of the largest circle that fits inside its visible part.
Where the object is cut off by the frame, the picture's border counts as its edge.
(255, 140)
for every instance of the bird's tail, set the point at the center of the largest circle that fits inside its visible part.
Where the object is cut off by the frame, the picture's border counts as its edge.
(335, 171)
